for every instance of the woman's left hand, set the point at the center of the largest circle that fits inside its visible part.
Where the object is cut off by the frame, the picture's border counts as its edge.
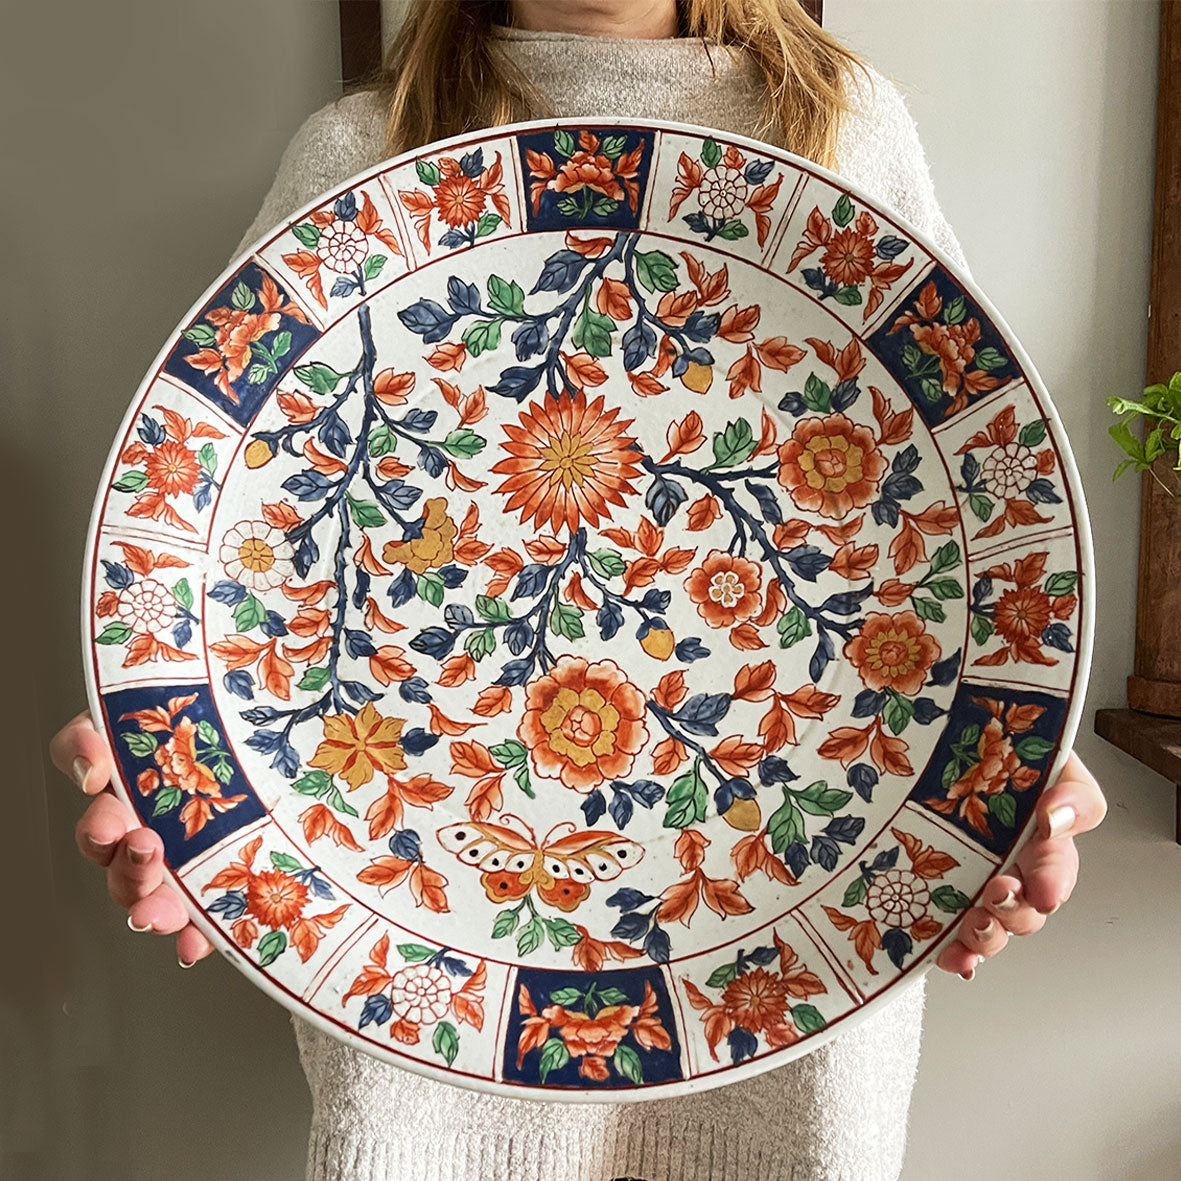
(1041, 878)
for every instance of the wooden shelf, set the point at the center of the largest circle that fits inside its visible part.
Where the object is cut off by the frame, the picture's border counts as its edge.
(1153, 741)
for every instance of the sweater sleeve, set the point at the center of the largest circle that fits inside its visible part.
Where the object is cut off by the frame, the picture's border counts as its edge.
(338, 141)
(879, 146)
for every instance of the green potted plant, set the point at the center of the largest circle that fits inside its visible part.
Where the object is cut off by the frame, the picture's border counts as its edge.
(1155, 686)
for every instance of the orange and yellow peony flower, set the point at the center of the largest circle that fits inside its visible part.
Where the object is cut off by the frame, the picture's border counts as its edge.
(177, 760)
(434, 548)
(583, 723)
(831, 465)
(893, 652)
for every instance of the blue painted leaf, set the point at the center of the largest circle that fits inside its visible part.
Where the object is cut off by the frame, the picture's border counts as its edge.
(561, 271)
(807, 561)
(240, 683)
(405, 844)
(702, 712)
(657, 945)
(863, 779)
(609, 619)
(119, 576)
(415, 689)
(418, 741)
(428, 319)
(308, 485)
(691, 649)
(621, 809)
(768, 503)
(377, 1010)
(821, 657)
(773, 769)
(593, 806)
(464, 298)
(897, 945)
(435, 641)
(517, 381)
(742, 1043)
(663, 499)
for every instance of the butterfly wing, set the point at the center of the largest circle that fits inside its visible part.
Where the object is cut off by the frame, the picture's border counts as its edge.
(504, 856)
(577, 860)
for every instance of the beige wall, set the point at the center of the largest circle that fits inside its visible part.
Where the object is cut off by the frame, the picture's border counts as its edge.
(137, 139)
(1062, 1059)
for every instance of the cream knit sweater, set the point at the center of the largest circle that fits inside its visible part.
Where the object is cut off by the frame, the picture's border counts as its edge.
(838, 1114)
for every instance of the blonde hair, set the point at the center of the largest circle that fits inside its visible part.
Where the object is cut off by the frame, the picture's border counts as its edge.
(443, 77)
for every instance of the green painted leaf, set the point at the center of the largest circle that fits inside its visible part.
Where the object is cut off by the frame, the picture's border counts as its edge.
(849, 296)
(270, 947)
(249, 613)
(945, 588)
(735, 444)
(242, 297)
(955, 311)
(481, 336)
(487, 223)
(607, 563)
(947, 557)
(140, 745)
(132, 481)
(313, 783)
(505, 924)
(817, 395)
(1032, 433)
(1004, 808)
(612, 996)
(202, 335)
(722, 976)
(980, 505)
(554, 1056)
(981, 628)
(563, 142)
(566, 997)
(822, 800)
(281, 345)
(415, 952)
(566, 620)
(855, 892)
(308, 234)
(428, 173)
(319, 378)
(612, 147)
(314, 679)
(506, 297)
(656, 270)
(932, 389)
(431, 588)
(793, 627)
(732, 230)
(842, 211)
(686, 801)
(207, 458)
(592, 332)
(446, 1041)
(521, 777)
(990, 359)
(530, 937)
(207, 733)
(381, 441)
(1031, 748)
(480, 643)
(807, 1018)
(464, 443)
(257, 374)
(494, 610)
(166, 799)
(786, 825)
(285, 862)
(897, 712)
(928, 609)
(561, 933)
(949, 899)
(510, 753)
(373, 265)
(183, 593)
(627, 1062)
(1061, 584)
(114, 633)
(365, 513)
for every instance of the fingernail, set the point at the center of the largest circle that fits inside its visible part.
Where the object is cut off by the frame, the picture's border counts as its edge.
(1061, 820)
(183, 964)
(99, 846)
(81, 771)
(1007, 903)
(985, 932)
(138, 930)
(968, 974)
(138, 856)
(1053, 908)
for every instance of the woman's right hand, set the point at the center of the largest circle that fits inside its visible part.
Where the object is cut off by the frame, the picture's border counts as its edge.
(110, 835)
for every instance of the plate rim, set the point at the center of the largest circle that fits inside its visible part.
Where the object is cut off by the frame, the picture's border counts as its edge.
(773, 1059)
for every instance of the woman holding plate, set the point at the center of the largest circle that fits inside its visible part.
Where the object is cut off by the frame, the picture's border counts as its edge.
(759, 68)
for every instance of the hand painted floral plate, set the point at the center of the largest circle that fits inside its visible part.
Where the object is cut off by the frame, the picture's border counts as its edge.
(587, 607)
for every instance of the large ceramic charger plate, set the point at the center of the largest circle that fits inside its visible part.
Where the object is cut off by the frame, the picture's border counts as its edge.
(587, 606)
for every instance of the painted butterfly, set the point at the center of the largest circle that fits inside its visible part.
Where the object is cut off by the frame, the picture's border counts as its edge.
(561, 867)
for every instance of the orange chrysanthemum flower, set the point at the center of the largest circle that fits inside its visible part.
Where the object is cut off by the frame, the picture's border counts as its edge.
(756, 1000)
(725, 589)
(831, 465)
(583, 723)
(1022, 614)
(568, 461)
(275, 898)
(172, 468)
(459, 200)
(356, 747)
(849, 258)
(893, 652)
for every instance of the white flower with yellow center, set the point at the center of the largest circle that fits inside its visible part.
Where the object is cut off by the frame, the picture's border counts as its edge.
(420, 993)
(723, 192)
(342, 246)
(1008, 471)
(146, 606)
(726, 588)
(257, 555)
(897, 897)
